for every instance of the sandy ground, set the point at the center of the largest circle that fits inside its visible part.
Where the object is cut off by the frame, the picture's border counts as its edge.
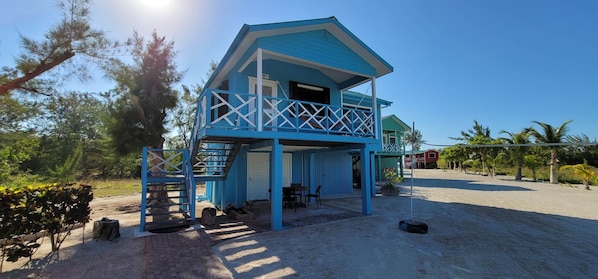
(479, 227)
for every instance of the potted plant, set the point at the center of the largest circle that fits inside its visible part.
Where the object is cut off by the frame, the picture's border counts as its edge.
(389, 189)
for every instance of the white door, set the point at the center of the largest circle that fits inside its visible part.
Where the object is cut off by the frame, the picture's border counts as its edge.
(269, 89)
(258, 175)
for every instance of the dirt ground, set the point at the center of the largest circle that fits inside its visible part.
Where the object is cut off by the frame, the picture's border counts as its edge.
(479, 227)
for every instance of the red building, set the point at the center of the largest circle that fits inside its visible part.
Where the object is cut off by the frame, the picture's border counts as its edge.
(423, 159)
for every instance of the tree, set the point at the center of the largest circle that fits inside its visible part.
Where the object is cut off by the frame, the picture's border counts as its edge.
(65, 173)
(495, 155)
(146, 93)
(550, 135)
(586, 172)
(533, 162)
(138, 117)
(73, 35)
(415, 138)
(517, 153)
(575, 154)
(183, 116)
(456, 155)
(479, 135)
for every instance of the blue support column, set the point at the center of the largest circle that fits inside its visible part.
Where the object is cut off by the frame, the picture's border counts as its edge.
(221, 193)
(143, 188)
(366, 180)
(312, 172)
(373, 176)
(276, 185)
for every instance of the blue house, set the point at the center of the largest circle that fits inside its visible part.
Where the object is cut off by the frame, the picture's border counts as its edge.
(277, 111)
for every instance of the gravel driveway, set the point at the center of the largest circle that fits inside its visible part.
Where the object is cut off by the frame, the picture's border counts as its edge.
(480, 227)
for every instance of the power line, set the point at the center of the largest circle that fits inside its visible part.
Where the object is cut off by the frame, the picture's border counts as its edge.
(516, 144)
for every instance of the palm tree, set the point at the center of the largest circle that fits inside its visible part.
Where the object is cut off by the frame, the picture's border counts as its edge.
(533, 162)
(585, 171)
(414, 138)
(550, 135)
(478, 135)
(517, 152)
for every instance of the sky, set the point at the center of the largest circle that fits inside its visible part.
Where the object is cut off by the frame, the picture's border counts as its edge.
(502, 63)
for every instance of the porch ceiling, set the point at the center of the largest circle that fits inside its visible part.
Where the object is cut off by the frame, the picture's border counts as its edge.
(288, 145)
(339, 76)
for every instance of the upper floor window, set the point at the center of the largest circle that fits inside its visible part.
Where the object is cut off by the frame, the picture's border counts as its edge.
(431, 155)
(310, 93)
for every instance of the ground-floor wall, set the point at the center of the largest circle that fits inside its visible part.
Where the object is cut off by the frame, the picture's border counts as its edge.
(332, 170)
(385, 163)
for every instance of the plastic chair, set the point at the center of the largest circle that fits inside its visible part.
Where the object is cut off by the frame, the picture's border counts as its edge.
(314, 195)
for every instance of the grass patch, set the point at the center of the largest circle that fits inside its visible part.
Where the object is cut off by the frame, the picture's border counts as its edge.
(113, 188)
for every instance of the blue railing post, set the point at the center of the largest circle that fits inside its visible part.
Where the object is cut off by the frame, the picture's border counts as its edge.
(143, 188)
(189, 182)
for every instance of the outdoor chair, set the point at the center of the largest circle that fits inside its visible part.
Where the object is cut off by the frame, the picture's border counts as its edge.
(289, 198)
(314, 195)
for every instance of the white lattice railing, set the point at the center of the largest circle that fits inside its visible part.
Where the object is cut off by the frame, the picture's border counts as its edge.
(391, 148)
(164, 161)
(223, 109)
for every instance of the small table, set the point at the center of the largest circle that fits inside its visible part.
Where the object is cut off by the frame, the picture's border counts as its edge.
(300, 190)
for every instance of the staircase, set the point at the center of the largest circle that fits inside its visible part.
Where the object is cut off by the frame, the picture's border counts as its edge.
(168, 191)
(169, 178)
(212, 159)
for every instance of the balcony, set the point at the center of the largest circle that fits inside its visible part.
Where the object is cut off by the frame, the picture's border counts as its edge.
(392, 148)
(238, 115)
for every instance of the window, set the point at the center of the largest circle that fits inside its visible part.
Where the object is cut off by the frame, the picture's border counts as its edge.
(310, 93)
(431, 155)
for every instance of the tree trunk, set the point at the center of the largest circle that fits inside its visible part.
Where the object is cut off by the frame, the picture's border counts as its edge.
(158, 204)
(518, 175)
(553, 175)
(106, 229)
(39, 69)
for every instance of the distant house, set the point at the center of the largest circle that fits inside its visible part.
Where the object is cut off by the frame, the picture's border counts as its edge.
(391, 155)
(423, 159)
(277, 110)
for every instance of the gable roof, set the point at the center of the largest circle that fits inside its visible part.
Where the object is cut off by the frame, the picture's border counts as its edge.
(248, 35)
(396, 120)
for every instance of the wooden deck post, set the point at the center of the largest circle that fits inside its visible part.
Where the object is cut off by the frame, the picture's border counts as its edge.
(276, 185)
(366, 180)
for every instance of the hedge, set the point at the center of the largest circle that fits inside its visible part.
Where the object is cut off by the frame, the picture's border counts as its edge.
(50, 209)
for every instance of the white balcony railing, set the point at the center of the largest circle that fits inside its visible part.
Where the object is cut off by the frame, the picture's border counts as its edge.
(391, 148)
(223, 109)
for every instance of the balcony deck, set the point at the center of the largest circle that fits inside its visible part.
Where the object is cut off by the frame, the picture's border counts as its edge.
(223, 115)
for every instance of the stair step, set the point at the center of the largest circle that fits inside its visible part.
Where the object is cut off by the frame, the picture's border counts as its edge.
(167, 213)
(166, 190)
(166, 205)
(166, 198)
(161, 184)
(166, 224)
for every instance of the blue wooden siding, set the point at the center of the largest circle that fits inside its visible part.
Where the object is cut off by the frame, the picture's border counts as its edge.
(285, 72)
(334, 171)
(319, 46)
(297, 167)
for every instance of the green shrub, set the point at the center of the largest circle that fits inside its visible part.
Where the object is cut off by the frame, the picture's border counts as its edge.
(52, 209)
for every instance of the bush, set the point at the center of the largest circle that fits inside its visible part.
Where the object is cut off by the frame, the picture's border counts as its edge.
(30, 210)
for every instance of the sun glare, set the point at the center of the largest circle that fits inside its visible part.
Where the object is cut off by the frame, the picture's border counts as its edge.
(155, 4)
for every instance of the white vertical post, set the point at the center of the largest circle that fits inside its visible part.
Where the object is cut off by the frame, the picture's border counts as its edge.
(375, 108)
(260, 113)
